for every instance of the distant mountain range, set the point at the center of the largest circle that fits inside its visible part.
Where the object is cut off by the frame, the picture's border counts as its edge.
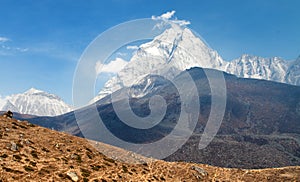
(273, 69)
(175, 50)
(35, 102)
(178, 49)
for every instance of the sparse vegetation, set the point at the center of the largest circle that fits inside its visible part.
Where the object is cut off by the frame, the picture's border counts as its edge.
(109, 160)
(64, 176)
(96, 168)
(89, 150)
(3, 155)
(45, 150)
(17, 157)
(11, 170)
(89, 155)
(85, 172)
(28, 168)
(44, 171)
(34, 154)
(65, 160)
(78, 158)
(125, 169)
(32, 163)
(31, 125)
(107, 164)
(37, 159)
(19, 145)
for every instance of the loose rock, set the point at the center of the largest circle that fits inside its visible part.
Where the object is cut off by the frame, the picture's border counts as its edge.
(73, 176)
(14, 146)
(200, 171)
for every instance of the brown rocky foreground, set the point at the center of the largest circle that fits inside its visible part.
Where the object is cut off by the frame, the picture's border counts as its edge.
(33, 153)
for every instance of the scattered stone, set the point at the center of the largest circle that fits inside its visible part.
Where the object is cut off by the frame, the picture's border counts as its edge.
(27, 142)
(14, 146)
(73, 176)
(74, 156)
(200, 171)
(7, 129)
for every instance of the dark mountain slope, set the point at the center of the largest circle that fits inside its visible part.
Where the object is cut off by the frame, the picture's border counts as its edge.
(261, 126)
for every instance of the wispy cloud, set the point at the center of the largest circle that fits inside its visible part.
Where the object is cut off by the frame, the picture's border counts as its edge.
(112, 67)
(4, 39)
(22, 49)
(9, 49)
(165, 16)
(132, 47)
(170, 16)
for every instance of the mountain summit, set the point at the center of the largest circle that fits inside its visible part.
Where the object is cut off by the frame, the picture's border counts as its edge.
(35, 102)
(175, 50)
(178, 49)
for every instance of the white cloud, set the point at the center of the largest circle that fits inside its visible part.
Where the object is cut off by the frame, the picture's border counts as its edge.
(4, 39)
(112, 67)
(181, 22)
(169, 16)
(166, 16)
(132, 47)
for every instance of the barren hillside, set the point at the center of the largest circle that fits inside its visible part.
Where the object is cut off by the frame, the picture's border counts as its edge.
(33, 153)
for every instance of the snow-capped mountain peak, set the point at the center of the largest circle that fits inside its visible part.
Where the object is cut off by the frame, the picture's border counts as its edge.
(178, 49)
(171, 52)
(248, 66)
(35, 102)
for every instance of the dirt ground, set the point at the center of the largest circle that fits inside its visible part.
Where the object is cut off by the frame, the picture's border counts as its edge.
(32, 153)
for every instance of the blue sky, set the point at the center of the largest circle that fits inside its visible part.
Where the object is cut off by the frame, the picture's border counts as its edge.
(41, 41)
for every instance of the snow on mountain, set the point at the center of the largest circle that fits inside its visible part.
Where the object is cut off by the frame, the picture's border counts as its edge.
(293, 73)
(178, 49)
(257, 67)
(273, 69)
(7, 105)
(147, 85)
(175, 50)
(35, 102)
